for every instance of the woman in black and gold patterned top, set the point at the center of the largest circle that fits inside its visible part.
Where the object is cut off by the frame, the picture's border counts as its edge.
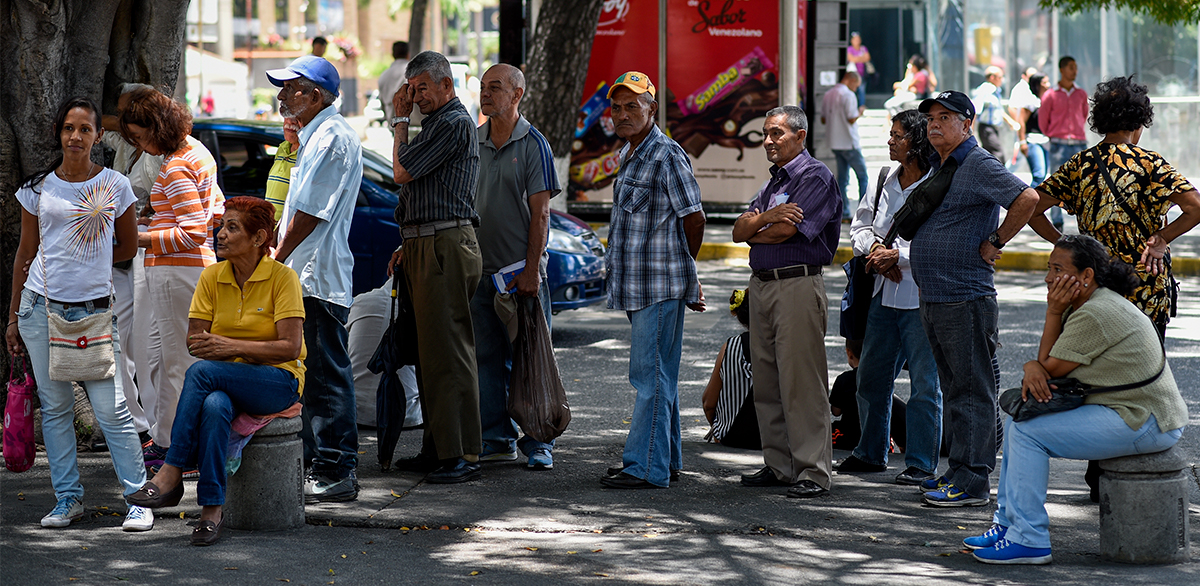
(1119, 194)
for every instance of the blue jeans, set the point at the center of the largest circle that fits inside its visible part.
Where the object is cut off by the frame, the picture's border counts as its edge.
(963, 337)
(1089, 432)
(846, 160)
(653, 448)
(330, 431)
(861, 93)
(213, 393)
(1038, 162)
(493, 358)
(58, 404)
(893, 336)
(1056, 155)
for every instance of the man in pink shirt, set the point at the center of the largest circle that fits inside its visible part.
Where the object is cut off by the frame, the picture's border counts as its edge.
(1062, 116)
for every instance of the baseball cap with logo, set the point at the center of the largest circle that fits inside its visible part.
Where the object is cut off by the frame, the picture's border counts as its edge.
(636, 81)
(315, 69)
(951, 100)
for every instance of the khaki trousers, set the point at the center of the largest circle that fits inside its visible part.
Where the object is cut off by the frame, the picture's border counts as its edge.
(443, 271)
(791, 377)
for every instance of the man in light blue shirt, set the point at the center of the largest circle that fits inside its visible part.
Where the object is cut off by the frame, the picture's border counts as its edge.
(314, 242)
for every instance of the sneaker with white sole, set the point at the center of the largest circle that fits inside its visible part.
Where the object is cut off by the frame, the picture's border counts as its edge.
(1007, 552)
(490, 455)
(952, 496)
(932, 484)
(67, 510)
(988, 539)
(138, 519)
(541, 459)
(319, 488)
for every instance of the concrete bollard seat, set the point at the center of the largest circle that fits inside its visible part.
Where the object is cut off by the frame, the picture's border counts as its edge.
(1144, 508)
(267, 492)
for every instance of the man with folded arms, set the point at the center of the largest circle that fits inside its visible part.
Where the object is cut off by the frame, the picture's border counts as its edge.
(441, 262)
(792, 227)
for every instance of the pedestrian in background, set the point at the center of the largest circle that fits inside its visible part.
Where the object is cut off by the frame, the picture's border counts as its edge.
(894, 333)
(656, 229)
(516, 182)
(314, 242)
(1063, 112)
(1031, 142)
(860, 56)
(792, 229)
(840, 112)
(71, 276)
(953, 256)
(392, 78)
(442, 264)
(990, 113)
(186, 200)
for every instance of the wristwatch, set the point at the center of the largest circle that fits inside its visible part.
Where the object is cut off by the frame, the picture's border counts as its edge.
(994, 240)
(398, 119)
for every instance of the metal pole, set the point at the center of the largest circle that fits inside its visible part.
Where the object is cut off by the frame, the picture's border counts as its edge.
(662, 64)
(789, 55)
(1053, 65)
(1103, 44)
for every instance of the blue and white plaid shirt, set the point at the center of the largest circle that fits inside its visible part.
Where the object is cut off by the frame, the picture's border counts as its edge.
(648, 259)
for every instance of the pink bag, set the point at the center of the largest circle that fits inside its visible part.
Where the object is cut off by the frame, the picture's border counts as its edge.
(18, 418)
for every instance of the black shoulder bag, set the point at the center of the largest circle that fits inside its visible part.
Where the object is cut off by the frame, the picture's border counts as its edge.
(856, 299)
(1172, 284)
(924, 200)
(1069, 394)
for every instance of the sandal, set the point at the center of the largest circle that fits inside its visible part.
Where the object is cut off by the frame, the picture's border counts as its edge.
(207, 532)
(151, 497)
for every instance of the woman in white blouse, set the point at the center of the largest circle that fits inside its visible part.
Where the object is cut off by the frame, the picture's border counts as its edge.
(894, 332)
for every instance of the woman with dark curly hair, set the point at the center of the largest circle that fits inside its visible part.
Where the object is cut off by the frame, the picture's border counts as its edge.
(894, 331)
(1093, 335)
(1119, 194)
(186, 200)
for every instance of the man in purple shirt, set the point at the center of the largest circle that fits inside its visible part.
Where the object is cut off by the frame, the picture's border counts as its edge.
(792, 227)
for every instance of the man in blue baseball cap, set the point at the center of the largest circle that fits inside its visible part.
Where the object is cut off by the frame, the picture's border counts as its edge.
(314, 241)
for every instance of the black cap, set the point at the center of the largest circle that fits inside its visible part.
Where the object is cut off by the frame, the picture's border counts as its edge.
(951, 100)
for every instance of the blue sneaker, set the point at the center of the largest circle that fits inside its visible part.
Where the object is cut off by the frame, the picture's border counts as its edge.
(988, 539)
(1007, 552)
(540, 459)
(952, 496)
(932, 484)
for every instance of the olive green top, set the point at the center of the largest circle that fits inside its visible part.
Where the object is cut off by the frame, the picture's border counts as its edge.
(1115, 344)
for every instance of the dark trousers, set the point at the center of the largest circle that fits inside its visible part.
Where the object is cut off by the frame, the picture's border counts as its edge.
(330, 431)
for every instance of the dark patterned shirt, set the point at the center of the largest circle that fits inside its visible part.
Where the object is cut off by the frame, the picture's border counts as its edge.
(807, 183)
(1146, 182)
(443, 160)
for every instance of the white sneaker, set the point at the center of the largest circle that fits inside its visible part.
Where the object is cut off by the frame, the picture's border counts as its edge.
(67, 510)
(138, 519)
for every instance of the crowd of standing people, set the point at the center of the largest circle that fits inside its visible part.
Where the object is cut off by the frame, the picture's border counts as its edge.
(262, 333)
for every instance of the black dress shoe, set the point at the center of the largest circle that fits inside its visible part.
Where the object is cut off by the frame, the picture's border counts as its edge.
(420, 463)
(615, 470)
(457, 470)
(151, 497)
(853, 464)
(764, 477)
(623, 480)
(806, 489)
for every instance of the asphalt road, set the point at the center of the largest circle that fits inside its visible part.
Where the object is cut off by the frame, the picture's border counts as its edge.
(520, 527)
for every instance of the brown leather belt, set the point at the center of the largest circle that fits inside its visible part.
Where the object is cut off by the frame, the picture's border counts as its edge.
(788, 272)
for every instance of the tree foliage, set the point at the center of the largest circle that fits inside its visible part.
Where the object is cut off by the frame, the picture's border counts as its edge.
(1169, 12)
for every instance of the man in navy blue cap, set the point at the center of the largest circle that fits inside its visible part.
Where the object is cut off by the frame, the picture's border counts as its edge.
(314, 242)
(953, 258)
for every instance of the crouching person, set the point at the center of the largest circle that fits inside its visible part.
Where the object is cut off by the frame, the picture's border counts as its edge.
(246, 327)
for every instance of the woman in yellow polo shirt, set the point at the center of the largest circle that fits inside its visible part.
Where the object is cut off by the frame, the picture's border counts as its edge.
(246, 328)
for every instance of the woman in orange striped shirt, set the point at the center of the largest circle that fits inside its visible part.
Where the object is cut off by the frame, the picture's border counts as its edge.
(186, 201)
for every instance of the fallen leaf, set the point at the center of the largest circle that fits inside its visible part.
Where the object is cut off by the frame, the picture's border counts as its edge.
(597, 531)
(467, 529)
(396, 495)
(444, 528)
(945, 555)
(531, 548)
(369, 542)
(597, 550)
(83, 547)
(103, 508)
(576, 380)
(572, 552)
(599, 574)
(425, 527)
(343, 556)
(650, 535)
(474, 573)
(180, 514)
(282, 580)
(961, 527)
(331, 522)
(230, 567)
(872, 538)
(364, 553)
(72, 579)
(404, 529)
(761, 529)
(331, 572)
(360, 453)
(626, 421)
(649, 524)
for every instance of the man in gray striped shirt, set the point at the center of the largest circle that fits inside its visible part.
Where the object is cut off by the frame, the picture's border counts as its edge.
(516, 182)
(441, 262)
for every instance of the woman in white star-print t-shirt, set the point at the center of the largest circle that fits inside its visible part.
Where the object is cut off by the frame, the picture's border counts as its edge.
(77, 218)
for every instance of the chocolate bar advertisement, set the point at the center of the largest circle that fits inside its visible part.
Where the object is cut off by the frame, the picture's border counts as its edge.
(722, 77)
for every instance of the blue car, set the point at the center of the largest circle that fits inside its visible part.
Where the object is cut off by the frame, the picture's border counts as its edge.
(245, 150)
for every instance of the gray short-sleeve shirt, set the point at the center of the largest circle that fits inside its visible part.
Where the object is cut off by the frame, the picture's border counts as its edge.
(508, 175)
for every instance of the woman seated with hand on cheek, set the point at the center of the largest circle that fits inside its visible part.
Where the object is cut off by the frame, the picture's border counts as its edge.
(246, 327)
(1092, 334)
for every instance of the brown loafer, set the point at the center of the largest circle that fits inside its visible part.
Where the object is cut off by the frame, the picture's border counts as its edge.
(207, 532)
(151, 497)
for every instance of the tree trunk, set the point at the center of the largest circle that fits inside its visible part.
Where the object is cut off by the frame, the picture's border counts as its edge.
(558, 61)
(416, 25)
(56, 49)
